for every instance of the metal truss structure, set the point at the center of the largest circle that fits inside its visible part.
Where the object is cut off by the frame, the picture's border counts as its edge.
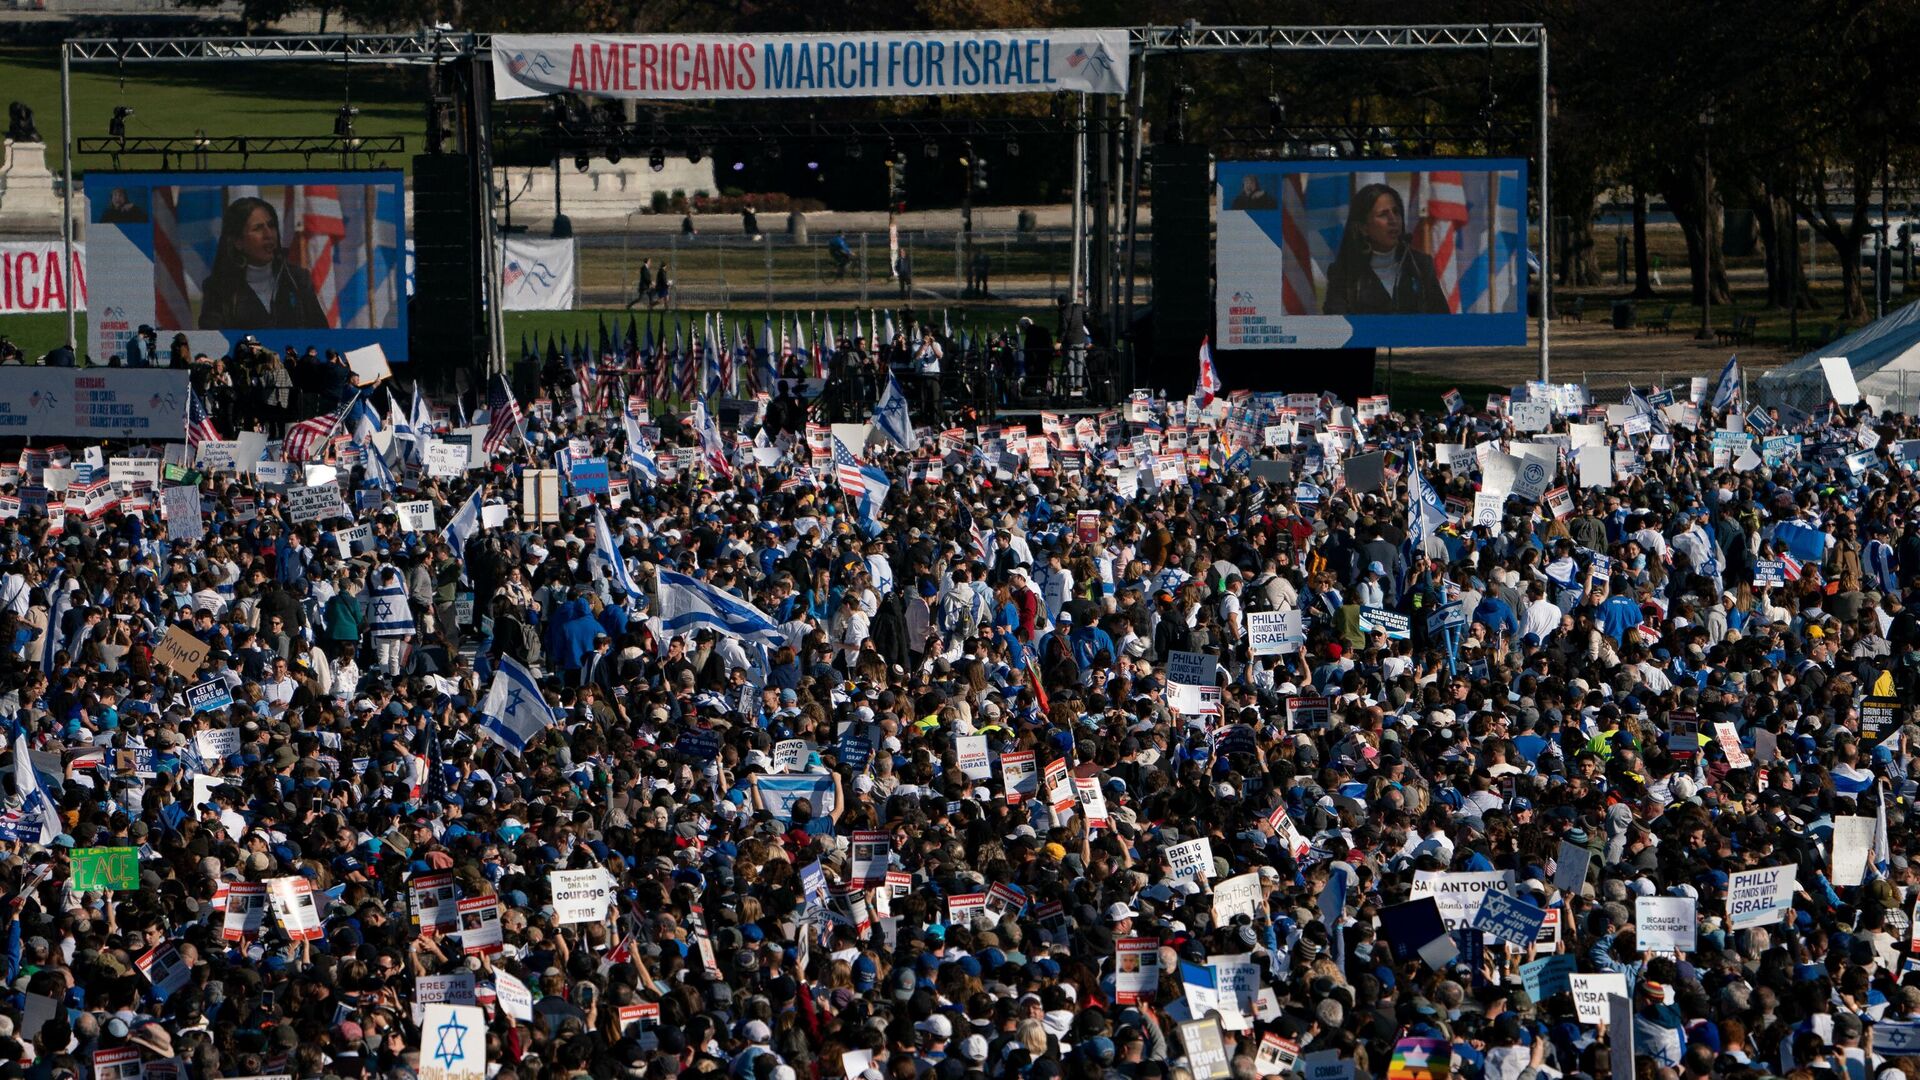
(1113, 128)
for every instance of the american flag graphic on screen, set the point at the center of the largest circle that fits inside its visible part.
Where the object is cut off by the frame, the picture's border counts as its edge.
(1467, 221)
(346, 236)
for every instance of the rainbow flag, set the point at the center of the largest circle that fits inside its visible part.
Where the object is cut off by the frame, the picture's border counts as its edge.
(1420, 1059)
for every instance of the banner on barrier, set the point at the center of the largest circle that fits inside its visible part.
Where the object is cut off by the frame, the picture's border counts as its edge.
(102, 403)
(882, 64)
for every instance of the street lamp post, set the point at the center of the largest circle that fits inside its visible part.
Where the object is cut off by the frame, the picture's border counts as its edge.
(1706, 226)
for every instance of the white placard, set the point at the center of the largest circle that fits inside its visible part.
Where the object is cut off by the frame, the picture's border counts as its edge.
(416, 516)
(446, 460)
(1852, 839)
(1664, 923)
(1761, 896)
(580, 896)
(1459, 895)
(1191, 859)
(369, 364)
(1274, 633)
(1839, 373)
(1590, 994)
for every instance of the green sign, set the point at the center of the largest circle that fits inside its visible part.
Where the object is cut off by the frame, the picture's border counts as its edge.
(113, 869)
(178, 474)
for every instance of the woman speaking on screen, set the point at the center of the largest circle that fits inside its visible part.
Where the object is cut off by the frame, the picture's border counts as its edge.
(1376, 272)
(252, 286)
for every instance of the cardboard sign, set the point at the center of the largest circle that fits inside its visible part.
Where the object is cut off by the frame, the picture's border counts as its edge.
(1570, 867)
(108, 869)
(1879, 717)
(1191, 859)
(217, 743)
(453, 1043)
(181, 652)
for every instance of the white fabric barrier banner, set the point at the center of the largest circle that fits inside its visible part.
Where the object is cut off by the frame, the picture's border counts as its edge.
(31, 281)
(883, 64)
(106, 403)
(537, 275)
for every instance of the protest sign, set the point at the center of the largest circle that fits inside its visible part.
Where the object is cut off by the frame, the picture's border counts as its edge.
(1879, 717)
(433, 899)
(1761, 896)
(1547, 976)
(246, 910)
(1136, 970)
(458, 1036)
(108, 869)
(164, 968)
(1590, 993)
(416, 516)
(1394, 624)
(1274, 633)
(970, 752)
(580, 896)
(1019, 775)
(1570, 869)
(1852, 840)
(1459, 894)
(217, 743)
(1190, 859)
(181, 652)
(872, 851)
(209, 695)
(1206, 1050)
(480, 930)
(515, 997)
(293, 906)
(1505, 917)
(1664, 923)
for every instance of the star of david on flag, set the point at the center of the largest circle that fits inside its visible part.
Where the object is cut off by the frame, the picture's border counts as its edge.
(513, 712)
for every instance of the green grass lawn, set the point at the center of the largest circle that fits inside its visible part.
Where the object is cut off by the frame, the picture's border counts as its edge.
(268, 98)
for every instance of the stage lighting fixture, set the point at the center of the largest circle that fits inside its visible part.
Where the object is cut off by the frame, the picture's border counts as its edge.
(854, 148)
(739, 165)
(813, 166)
(893, 155)
(614, 153)
(343, 121)
(930, 148)
(581, 162)
(694, 153)
(656, 159)
(1013, 147)
(771, 150)
(117, 127)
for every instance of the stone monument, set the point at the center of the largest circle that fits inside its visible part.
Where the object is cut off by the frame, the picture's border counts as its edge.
(29, 202)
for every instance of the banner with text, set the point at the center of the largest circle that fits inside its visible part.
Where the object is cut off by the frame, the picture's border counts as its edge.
(97, 402)
(30, 277)
(886, 64)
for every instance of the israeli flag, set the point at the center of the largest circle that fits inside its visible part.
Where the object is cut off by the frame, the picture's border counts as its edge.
(1728, 388)
(890, 417)
(390, 613)
(513, 713)
(36, 806)
(364, 421)
(378, 473)
(461, 529)
(687, 604)
(608, 552)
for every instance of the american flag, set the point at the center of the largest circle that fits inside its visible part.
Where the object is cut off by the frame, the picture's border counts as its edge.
(199, 423)
(847, 471)
(686, 363)
(505, 411)
(1790, 567)
(801, 480)
(1440, 207)
(307, 435)
(976, 538)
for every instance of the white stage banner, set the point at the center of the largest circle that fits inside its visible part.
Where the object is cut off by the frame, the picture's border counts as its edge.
(30, 277)
(706, 67)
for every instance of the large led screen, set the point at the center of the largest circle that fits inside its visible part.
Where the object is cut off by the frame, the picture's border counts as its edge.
(291, 258)
(1373, 254)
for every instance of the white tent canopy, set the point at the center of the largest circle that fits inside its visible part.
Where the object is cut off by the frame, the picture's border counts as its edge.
(1884, 356)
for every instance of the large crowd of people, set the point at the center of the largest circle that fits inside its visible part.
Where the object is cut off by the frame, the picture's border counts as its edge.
(1199, 738)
